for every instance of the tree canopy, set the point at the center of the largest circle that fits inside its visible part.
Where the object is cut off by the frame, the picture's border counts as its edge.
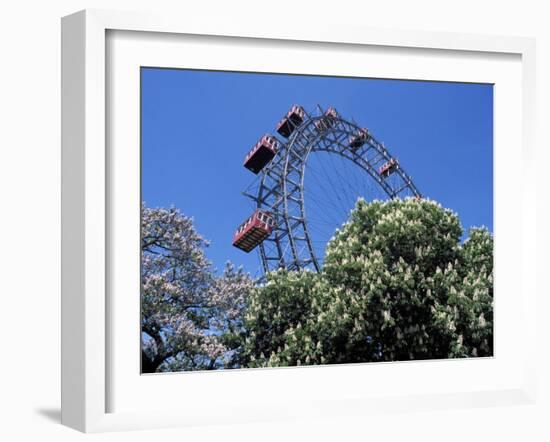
(397, 284)
(189, 315)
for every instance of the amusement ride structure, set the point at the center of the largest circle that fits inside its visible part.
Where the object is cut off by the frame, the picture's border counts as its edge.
(308, 179)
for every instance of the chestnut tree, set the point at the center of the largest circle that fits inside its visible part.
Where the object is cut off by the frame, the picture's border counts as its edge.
(397, 284)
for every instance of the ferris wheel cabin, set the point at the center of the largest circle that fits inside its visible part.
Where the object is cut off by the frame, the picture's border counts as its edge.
(254, 230)
(261, 154)
(388, 168)
(294, 117)
(327, 120)
(358, 138)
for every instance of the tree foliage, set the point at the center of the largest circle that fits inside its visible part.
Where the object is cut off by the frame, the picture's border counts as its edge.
(189, 316)
(397, 284)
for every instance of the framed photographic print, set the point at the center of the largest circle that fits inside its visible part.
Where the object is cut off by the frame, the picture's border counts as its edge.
(314, 224)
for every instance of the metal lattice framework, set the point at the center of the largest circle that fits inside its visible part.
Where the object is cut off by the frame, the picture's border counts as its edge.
(280, 188)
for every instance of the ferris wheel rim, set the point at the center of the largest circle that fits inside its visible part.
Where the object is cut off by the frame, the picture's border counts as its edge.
(294, 161)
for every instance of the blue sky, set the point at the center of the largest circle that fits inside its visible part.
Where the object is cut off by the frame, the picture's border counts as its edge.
(197, 126)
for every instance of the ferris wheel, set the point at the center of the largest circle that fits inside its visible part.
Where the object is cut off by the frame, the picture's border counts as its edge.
(309, 177)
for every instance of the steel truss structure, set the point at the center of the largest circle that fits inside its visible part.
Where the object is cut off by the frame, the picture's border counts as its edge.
(280, 189)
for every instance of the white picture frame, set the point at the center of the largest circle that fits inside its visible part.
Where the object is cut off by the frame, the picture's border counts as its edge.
(87, 210)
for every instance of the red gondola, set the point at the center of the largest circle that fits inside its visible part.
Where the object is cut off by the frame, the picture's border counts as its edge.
(295, 116)
(358, 138)
(388, 168)
(327, 120)
(254, 230)
(261, 154)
